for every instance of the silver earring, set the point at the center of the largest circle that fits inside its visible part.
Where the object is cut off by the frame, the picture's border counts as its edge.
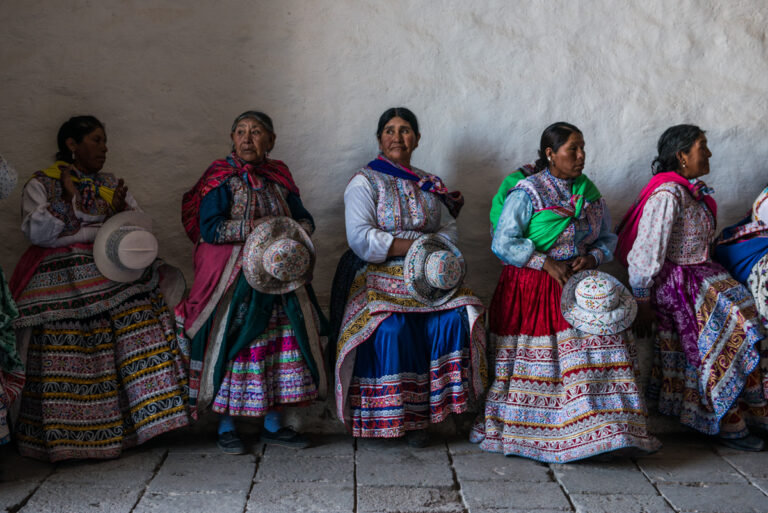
(683, 163)
(73, 156)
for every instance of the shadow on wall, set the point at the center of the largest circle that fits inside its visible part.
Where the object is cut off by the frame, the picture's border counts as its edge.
(480, 171)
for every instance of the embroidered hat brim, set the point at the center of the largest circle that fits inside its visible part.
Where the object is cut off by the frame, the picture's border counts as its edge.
(113, 270)
(261, 238)
(414, 269)
(598, 323)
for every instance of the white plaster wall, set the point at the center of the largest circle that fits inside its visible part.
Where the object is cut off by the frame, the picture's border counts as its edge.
(484, 78)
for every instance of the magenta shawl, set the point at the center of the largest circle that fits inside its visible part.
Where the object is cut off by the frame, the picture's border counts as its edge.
(627, 228)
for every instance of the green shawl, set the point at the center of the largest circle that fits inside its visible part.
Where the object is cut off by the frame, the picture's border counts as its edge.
(548, 223)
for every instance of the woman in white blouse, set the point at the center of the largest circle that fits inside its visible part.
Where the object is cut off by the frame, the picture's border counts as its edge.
(104, 368)
(402, 364)
(708, 340)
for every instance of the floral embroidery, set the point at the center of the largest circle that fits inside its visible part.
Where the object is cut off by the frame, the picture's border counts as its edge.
(249, 205)
(401, 205)
(546, 191)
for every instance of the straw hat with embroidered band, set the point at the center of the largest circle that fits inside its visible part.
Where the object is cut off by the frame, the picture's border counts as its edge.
(433, 269)
(125, 246)
(278, 256)
(595, 302)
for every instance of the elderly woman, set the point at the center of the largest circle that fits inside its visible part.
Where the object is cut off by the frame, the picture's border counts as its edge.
(707, 345)
(560, 394)
(104, 368)
(252, 352)
(404, 360)
(743, 250)
(11, 368)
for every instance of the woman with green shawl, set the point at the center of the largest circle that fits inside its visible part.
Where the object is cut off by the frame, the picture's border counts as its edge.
(560, 394)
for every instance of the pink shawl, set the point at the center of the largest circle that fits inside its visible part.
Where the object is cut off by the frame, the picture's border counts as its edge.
(627, 228)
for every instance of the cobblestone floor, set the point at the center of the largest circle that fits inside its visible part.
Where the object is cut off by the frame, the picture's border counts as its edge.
(338, 474)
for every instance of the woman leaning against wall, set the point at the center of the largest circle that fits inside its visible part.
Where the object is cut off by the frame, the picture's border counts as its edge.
(709, 341)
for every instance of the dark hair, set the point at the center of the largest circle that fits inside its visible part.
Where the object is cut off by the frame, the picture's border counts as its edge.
(397, 112)
(554, 136)
(77, 128)
(258, 116)
(674, 139)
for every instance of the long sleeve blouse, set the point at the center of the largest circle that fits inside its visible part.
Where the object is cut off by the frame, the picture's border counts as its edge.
(49, 221)
(229, 212)
(674, 226)
(379, 208)
(590, 234)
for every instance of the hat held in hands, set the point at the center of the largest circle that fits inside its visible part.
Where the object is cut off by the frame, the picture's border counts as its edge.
(595, 302)
(278, 256)
(125, 246)
(433, 269)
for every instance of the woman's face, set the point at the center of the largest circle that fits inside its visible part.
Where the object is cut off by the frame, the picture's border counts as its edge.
(568, 160)
(252, 141)
(91, 152)
(695, 162)
(398, 140)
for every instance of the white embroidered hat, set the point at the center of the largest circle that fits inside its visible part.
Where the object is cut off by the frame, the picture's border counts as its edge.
(433, 269)
(760, 207)
(125, 246)
(8, 178)
(278, 256)
(595, 302)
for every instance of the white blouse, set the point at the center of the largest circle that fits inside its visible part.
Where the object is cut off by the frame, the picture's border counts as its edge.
(43, 229)
(364, 235)
(674, 226)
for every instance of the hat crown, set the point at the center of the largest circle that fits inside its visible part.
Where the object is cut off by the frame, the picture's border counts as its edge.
(286, 259)
(131, 247)
(760, 207)
(442, 270)
(597, 294)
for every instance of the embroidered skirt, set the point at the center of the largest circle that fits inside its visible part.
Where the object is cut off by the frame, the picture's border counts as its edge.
(410, 373)
(100, 384)
(559, 394)
(707, 345)
(402, 364)
(268, 373)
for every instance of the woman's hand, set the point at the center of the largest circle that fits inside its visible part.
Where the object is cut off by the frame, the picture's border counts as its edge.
(560, 271)
(118, 200)
(643, 325)
(399, 247)
(67, 185)
(581, 263)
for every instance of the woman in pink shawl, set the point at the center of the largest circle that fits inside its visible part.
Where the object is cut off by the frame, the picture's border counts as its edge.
(708, 341)
(250, 352)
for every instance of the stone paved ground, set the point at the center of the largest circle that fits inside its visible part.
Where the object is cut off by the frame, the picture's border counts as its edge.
(337, 474)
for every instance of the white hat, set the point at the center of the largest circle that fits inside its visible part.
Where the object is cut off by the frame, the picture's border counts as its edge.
(125, 246)
(595, 302)
(172, 284)
(278, 256)
(433, 269)
(8, 178)
(760, 207)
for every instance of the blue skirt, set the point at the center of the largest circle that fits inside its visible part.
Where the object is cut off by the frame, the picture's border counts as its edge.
(411, 372)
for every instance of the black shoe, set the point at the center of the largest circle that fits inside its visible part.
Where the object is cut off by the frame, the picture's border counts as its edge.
(749, 443)
(285, 436)
(418, 438)
(229, 443)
